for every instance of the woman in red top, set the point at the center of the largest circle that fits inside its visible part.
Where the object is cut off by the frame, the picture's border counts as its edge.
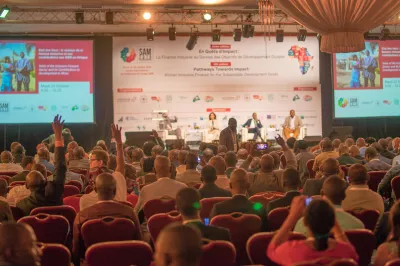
(321, 222)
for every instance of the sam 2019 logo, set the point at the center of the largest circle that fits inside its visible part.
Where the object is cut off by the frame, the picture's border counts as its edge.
(343, 102)
(4, 107)
(141, 54)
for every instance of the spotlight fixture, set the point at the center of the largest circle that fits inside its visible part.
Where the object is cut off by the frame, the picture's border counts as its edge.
(109, 17)
(150, 34)
(237, 35)
(248, 31)
(79, 17)
(207, 17)
(4, 12)
(385, 34)
(192, 40)
(172, 33)
(216, 35)
(280, 34)
(147, 15)
(302, 35)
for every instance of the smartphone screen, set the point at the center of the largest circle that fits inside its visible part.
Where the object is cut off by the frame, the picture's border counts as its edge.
(308, 201)
(206, 221)
(262, 146)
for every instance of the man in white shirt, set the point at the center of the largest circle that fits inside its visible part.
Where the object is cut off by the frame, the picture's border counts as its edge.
(292, 125)
(7, 165)
(163, 187)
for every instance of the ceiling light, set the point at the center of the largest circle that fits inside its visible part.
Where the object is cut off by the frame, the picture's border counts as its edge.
(150, 34)
(79, 17)
(192, 40)
(237, 35)
(216, 35)
(280, 34)
(172, 33)
(4, 12)
(302, 35)
(385, 34)
(207, 16)
(147, 15)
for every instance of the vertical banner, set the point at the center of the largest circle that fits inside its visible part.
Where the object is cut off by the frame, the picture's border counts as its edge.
(232, 79)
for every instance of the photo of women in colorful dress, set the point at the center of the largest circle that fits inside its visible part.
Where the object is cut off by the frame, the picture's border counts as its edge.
(16, 68)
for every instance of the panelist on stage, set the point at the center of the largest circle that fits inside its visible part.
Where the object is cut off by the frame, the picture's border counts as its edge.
(292, 125)
(254, 125)
(166, 123)
(213, 126)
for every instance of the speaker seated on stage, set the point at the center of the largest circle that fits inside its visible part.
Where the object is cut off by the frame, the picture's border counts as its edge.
(292, 125)
(166, 124)
(213, 128)
(254, 126)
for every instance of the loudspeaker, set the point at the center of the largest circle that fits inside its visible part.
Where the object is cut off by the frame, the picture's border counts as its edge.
(341, 132)
(137, 138)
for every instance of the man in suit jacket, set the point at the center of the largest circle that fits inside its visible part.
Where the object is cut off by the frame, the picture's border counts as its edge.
(210, 189)
(106, 188)
(344, 156)
(292, 124)
(47, 193)
(313, 187)
(5, 212)
(187, 203)
(291, 183)
(228, 136)
(163, 187)
(240, 202)
(191, 176)
(373, 162)
(253, 126)
(26, 163)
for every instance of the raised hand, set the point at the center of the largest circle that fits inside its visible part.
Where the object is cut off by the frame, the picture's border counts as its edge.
(57, 126)
(154, 134)
(116, 133)
(298, 207)
(280, 141)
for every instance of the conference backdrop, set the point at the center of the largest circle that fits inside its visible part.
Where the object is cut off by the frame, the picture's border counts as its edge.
(232, 79)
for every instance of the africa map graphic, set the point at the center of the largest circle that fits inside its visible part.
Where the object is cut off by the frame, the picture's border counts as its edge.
(303, 56)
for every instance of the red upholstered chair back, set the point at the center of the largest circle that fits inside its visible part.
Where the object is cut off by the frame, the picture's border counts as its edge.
(276, 218)
(157, 222)
(17, 183)
(310, 165)
(5, 177)
(16, 212)
(122, 253)
(133, 199)
(55, 254)
(48, 228)
(154, 206)
(329, 262)
(66, 211)
(368, 217)
(197, 186)
(343, 262)
(79, 171)
(107, 229)
(375, 178)
(75, 183)
(395, 262)
(257, 246)
(73, 201)
(9, 174)
(364, 242)
(395, 183)
(283, 161)
(88, 189)
(208, 204)
(221, 253)
(241, 227)
(264, 199)
(70, 191)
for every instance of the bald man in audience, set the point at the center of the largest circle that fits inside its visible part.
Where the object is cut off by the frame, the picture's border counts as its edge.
(163, 187)
(191, 176)
(222, 150)
(361, 145)
(7, 165)
(230, 162)
(182, 162)
(354, 152)
(178, 245)
(345, 158)
(78, 159)
(205, 158)
(335, 144)
(219, 164)
(373, 162)
(106, 188)
(239, 183)
(5, 212)
(173, 157)
(327, 152)
(156, 150)
(313, 187)
(44, 158)
(349, 142)
(241, 156)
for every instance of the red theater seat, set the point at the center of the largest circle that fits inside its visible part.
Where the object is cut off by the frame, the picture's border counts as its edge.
(276, 218)
(79, 171)
(66, 211)
(16, 212)
(70, 191)
(375, 177)
(221, 253)
(264, 199)
(76, 184)
(364, 242)
(368, 217)
(163, 205)
(54, 254)
(17, 183)
(9, 174)
(207, 205)
(133, 199)
(73, 201)
(395, 183)
(6, 178)
(395, 262)
(88, 189)
(157, 222)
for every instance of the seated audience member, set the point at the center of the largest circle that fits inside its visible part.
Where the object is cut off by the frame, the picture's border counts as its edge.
(320, 221)
(26, 163)
(188, 204)
(147, 166)
(7, 165)
(230, 162)
(379, 149)
(48, 193)
(207, 154)
(222, 150)
(13, 145)
(102, 144)
(336, 144)
(70, 149)
(18, 154)
(44, 158)
(313, 187)
(164, 186)
(106, 189)
(349, 142)
(291, 185)
(327, 152)
(18, 246)
(290, 143)
(210, 189)
(219, 164)
(373, 162)
(147, 148)
(112, 162)
(5, 212)
(178, 245)
(135, 156)
(355, 153)
(344, 156)
(182, 165)
(385, 152)
(241, 156)
(385, 184)
(396, 145)
(358, 194)
(173, 157)
(302, 157)
(255, 165)
(156, 151)
(390, 250)
(239, 184)
(78, 160)
(98, 162)
(396, 161)
(361, 145)
(191, 176)
(268, 179)
(277, 160)
(334, 191)
(18, 193)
